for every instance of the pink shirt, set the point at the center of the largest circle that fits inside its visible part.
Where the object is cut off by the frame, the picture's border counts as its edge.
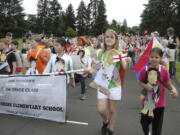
(164, 78)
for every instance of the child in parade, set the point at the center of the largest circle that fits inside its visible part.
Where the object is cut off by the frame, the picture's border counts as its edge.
(108, 82)
(32, 67)
(4, 67)
(85, 64)
(19, 64)
(11, 59)
(153, 79)
(60, 48)
(39, 54)
(173, 43)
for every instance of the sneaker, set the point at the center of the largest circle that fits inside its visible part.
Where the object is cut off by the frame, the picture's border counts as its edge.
(104, 128)
(83, 97)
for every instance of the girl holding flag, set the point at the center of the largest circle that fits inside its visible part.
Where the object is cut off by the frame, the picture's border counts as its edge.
(153, 79)
(108, 81)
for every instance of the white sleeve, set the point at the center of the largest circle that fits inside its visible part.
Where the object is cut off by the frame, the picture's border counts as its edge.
(48, 66)
(28, 72)
(89, 62)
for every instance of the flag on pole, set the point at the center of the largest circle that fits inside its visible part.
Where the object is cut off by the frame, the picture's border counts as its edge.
(144, 58)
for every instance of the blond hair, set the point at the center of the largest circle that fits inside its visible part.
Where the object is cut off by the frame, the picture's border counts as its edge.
(116, 45)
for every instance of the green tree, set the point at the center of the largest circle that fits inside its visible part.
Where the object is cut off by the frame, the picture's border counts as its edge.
(70, 17)
(81, 18)
(12, 17)
(31, 23)
(61, 28)
(124, 28)
(115, 26)
(93, 8)
(88, 21)
(159, 15)
(43, 14)
(70, 32)
(55, 15)
(133, 30)
(101, 22)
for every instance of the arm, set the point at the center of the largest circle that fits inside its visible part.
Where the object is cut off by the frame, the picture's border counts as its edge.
(147, 87)
(177, 42)
(71, 75)
(7, 69)
(14, 67)
(49, 67)
(172, 89)
(44, 56)
(98, 87)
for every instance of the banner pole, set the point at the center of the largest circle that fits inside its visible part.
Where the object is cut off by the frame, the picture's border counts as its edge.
(77, 122)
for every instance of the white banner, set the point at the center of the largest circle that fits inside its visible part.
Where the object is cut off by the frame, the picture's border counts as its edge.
(41, 97)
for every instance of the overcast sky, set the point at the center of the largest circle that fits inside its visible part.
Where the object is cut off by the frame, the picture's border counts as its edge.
(116, 9)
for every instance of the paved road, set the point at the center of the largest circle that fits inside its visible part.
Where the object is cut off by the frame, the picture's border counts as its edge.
(85, 111)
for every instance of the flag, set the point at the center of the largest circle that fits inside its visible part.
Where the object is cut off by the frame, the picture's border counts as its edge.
(41, 45)
(145, 32)
(117, 58)
(144, 58)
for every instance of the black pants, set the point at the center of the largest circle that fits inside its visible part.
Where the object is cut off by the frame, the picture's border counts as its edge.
(132, 55)
(81, 79)
(172, 68)
(157, 122)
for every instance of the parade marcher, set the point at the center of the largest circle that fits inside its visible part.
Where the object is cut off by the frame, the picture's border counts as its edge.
(86, 65)
(12, 60)
(8, 38)
(83, 44)
(173, 45)
(39, 54)
(32, 67)
(153, 79)
(24, 53)
(94, 55)
(60, 47)
(108, 81)
(4, 67)
(19, 64)
(131, 51)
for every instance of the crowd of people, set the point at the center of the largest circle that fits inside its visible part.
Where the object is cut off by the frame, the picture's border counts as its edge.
(104, 59)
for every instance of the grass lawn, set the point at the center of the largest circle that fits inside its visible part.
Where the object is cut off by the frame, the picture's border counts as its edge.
(178, 71)
(20, 44)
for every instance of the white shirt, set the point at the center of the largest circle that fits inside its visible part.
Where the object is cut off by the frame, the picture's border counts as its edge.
(50, 67)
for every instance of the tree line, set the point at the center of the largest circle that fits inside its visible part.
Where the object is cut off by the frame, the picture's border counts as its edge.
(158, 15)
(90, 19)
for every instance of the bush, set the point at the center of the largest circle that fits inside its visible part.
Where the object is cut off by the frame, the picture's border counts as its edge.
(70, 32)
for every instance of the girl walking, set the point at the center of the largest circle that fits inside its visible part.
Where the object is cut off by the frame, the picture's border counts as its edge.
(108, 82)
(153, 79)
